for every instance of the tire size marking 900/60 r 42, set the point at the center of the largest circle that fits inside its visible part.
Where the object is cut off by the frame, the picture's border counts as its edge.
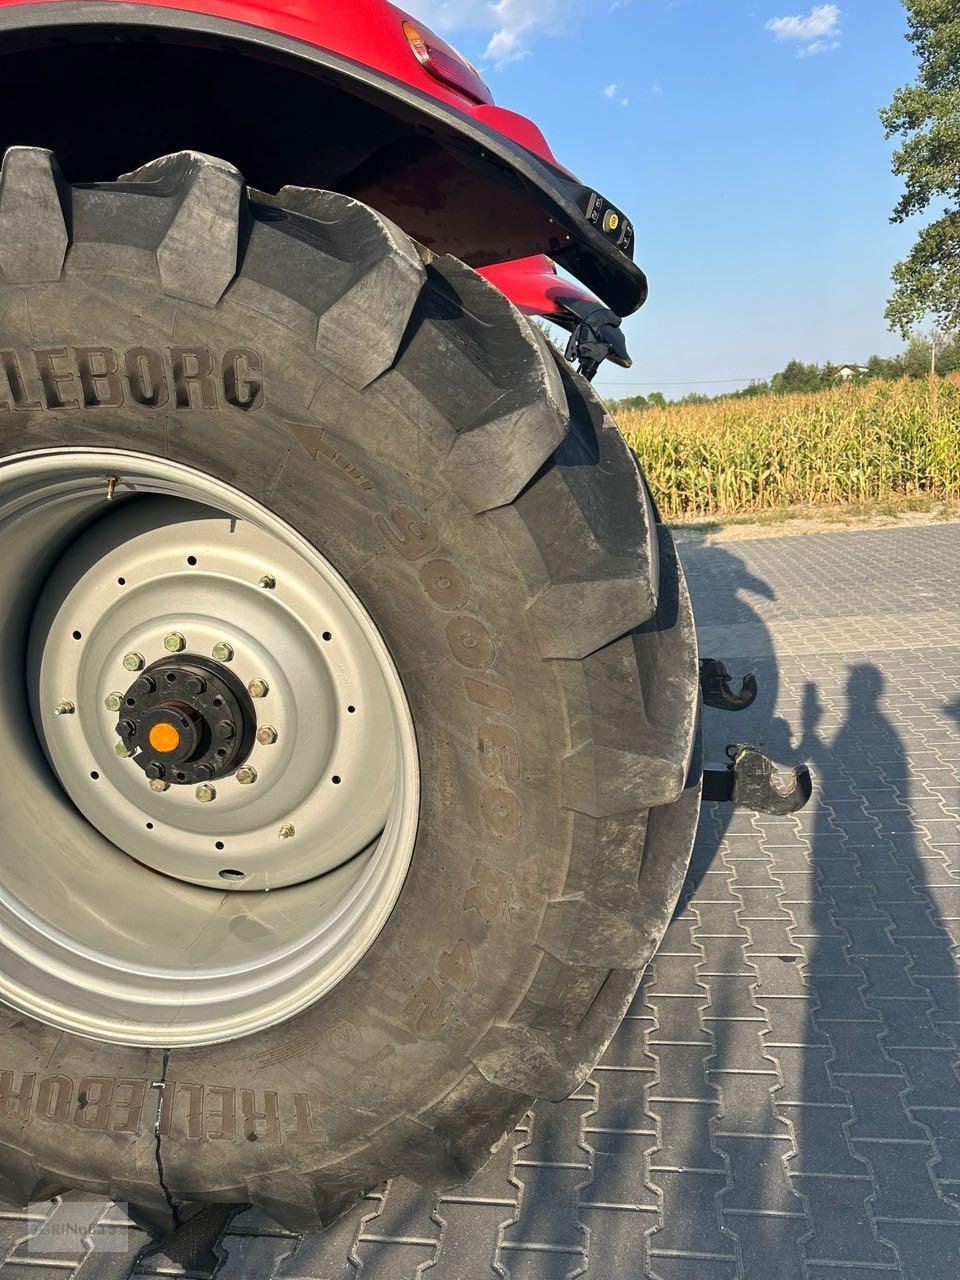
(498, 759)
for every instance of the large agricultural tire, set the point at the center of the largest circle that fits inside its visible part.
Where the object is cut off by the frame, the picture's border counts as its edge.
(411, 426)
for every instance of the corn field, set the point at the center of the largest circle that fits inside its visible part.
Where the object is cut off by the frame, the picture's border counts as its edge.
(850, 445)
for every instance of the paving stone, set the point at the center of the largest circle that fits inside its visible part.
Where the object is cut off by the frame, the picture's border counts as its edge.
(910, 1022)
(760, 1235)
(683, 1073)
(906, 1189)
(690, 1217)
(820, 1140)
(686, 1140)
(841, 1226)
(879, 1109)
(925, 1249)
(792, 1021)
(841, 998)
(662, 1268)
(758, 1178)
(806, 1076)
(779, 975)
(931, 1075)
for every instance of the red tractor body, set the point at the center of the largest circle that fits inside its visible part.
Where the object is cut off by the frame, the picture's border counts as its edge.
(457, 172)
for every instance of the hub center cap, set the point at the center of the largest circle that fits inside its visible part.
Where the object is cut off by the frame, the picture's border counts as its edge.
(187, 720)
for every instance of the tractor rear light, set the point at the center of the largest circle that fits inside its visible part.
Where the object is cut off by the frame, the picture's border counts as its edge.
(444, 63)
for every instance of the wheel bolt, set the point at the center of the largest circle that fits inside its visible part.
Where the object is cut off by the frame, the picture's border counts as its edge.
(196, 684)
(155, 770)
(126, 729)
(246, 775)
(159, 786)
(174, 642)
(267, 736)
(287, 831)
(223, 652)
(113, 701)
(226, 730)
(145, 685)
(268, 582)
(64, 709)
(204, 771)
(205, 793)
(122, 751)
(258, 688)
(133, 661)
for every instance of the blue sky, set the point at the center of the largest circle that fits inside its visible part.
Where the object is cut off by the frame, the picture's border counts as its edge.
(742, 137)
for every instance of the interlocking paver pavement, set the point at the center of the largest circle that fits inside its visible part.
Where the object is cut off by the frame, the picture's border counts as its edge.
(783, 1098)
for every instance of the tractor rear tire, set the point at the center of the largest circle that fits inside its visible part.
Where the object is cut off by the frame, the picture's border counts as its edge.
(403, 418)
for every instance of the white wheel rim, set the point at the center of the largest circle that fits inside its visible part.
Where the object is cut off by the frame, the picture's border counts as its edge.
(116, 917)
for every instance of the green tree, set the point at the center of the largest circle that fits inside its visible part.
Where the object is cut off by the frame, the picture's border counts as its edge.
(888, 367)
(797, 376)
(627, 404)
(917, 357)
(927, 116)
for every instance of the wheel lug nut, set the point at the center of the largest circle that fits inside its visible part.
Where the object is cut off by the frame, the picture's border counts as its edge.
(268, 582)
(174, 642)
(226, 730)
(287, 831)
(113, 701)
(133, 661)
(64, 709)
(223, 652)
(155, 770)
(205, 793)
(123, 751)
(159, 786)
(267, 736)
(258, 688)
(246, 776)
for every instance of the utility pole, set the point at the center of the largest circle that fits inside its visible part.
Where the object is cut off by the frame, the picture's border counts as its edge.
(934, 403)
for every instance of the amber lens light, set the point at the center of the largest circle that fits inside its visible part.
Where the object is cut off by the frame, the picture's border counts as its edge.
(444, 63)
(164, 738)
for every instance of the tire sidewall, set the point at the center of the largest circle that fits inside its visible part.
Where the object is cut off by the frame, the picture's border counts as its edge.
(350, 472)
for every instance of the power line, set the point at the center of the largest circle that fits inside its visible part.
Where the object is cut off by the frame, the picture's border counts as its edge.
(686, 382)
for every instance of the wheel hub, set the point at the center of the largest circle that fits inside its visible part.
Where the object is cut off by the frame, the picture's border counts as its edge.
(187, 720)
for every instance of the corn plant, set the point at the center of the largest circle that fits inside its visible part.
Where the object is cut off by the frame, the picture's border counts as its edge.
(850, 445)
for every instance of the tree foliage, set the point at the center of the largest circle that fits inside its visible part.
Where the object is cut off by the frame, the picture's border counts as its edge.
(927, 116)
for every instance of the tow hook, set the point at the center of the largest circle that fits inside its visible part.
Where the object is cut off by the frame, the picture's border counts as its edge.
(596, 337)
(715, 686)
(747, 781)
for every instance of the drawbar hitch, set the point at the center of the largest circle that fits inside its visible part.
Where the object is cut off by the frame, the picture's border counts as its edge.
(747, 781)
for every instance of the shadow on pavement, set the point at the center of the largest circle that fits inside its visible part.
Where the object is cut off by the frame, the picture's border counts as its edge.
(816, 1091)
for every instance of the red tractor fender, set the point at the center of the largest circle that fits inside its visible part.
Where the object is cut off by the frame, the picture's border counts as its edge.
(534, 285)
(464, 176)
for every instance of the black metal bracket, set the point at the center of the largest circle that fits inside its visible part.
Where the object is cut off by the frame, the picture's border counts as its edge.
(748, 782)
(596, 337)
(715, 685)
